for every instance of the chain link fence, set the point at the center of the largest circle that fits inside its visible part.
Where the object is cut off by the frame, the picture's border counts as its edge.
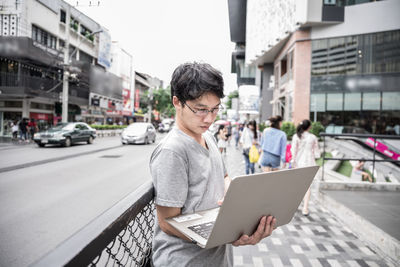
(121, 236)
(132, 246)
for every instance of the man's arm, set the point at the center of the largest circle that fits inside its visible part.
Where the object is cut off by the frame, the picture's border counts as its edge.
(167, 212)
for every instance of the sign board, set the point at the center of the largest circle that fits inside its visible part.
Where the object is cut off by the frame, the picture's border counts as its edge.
(104, 56)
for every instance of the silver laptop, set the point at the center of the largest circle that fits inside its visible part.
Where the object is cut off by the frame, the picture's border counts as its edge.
(248, 198)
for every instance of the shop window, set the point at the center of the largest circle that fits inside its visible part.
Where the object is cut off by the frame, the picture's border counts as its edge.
(390, 101)
(318, 102)
(334, 101)
(352, 101)
(371, 101)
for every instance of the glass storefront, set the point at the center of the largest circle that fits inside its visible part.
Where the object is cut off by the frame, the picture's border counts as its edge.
(355, 81)
(375, 112)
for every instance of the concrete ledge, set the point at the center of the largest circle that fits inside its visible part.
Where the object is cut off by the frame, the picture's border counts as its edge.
(384, 244)
(359, 186)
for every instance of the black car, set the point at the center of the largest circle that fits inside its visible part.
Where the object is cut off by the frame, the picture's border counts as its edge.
(66, 134)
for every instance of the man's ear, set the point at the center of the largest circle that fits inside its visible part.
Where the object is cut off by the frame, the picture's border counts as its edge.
(176, 102)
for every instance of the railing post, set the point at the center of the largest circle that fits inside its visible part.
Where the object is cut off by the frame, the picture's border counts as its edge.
(373, 159)
(323, 159)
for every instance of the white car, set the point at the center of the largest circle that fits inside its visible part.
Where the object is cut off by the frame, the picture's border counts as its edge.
(138, 133)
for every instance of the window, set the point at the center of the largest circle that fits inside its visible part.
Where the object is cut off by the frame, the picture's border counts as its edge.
(36, 105)
(317, 102)
(352, 101)
(43, 37)
(283, 66)
(63, 16)
(84, 30)
(359, 54)
(371, 101)
(85, 57)
(334, 101)
(390, 101)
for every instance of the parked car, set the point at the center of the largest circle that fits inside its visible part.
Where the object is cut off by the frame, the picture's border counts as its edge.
(166, 125)
(66, 134)
(138, 133)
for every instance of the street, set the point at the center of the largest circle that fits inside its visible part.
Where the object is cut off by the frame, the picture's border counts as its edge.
(47, 194)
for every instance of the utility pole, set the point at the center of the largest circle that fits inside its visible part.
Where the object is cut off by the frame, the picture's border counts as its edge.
(149, 106)
(66, 66)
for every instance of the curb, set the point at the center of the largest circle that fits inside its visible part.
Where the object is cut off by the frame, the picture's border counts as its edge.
(359, 186)
(385, 245)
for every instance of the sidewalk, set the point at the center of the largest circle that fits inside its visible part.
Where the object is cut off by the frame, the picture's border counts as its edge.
(319, 239)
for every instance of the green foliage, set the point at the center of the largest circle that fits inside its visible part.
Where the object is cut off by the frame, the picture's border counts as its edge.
(162, 102)
(345, 168)
(233, 94)
(317, 128)
(289, 128)
(319, 161)
(107, 127)
(262, 126)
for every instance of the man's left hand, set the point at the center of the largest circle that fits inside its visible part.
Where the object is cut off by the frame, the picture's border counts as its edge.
(264, 229)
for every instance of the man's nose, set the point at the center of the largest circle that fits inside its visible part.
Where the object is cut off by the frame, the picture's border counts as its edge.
(209, 117)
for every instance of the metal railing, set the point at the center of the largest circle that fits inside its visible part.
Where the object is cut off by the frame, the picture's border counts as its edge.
(18, 80)
(121, 236)
(358, 138)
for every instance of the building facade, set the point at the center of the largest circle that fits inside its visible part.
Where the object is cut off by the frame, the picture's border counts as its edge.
(33, 36)
(336, 62)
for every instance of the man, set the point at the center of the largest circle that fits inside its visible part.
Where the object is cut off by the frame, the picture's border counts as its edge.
(188, 171)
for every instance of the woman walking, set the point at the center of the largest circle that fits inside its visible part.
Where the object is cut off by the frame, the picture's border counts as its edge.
(304, 151)
(222, 137)
(273, 145)
(249, 138)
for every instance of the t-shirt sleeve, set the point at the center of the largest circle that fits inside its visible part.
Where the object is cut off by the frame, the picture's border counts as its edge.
(170, 179)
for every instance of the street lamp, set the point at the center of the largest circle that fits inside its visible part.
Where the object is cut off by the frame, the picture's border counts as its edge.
(67, 60)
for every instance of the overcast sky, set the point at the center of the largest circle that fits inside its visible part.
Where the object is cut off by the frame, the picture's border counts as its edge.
(161, 34)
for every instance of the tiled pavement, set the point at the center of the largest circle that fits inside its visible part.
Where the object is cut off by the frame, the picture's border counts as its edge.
(316, 240)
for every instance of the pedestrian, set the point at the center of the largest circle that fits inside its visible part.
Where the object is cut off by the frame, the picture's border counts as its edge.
(304, 151)
(273, 146)
(188, 171)
(359, 170)
(32, 126)
(236, 135)
(249, 138)
(222, 137)
(14, 130)
(23, 128)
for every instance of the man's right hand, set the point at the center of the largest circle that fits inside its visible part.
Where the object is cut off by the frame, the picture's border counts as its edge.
(264, 229)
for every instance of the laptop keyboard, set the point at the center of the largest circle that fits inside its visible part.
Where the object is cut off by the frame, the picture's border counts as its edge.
(203, 230)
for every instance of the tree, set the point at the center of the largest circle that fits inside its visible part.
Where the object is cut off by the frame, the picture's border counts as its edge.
(162, 102)
(289, 128)
(233, 94)
(316, 128)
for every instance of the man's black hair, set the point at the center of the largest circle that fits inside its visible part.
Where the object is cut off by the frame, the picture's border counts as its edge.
(192, 80)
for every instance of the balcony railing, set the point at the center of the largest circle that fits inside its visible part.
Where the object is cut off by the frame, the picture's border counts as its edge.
(14, 80)
(121, 236)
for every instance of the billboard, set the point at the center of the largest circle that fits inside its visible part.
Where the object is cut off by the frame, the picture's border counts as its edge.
(104, 56)
(249, 99)
(127, 103)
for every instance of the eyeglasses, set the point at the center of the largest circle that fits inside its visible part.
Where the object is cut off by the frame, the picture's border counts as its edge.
(202, 112)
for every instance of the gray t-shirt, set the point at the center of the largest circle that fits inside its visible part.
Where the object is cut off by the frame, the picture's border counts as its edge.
(188, 176)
